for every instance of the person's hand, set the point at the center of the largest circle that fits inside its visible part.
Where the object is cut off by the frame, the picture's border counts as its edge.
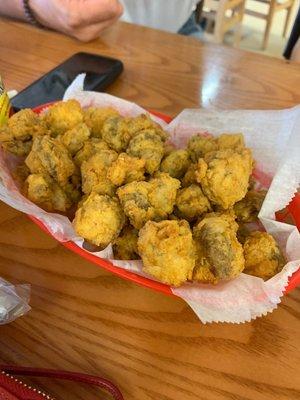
(83, 19)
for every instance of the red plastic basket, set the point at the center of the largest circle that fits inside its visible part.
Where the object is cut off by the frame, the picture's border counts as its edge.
(293, 210)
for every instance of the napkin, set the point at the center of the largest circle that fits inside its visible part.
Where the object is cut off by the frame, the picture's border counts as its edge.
(274, 138)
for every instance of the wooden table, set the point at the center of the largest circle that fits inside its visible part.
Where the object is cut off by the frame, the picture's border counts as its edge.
(88, 320)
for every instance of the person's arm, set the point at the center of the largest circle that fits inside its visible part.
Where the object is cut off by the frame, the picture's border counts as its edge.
(12, 8)
(83, 19)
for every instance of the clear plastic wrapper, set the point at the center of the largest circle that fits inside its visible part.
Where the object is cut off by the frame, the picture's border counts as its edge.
(14, 301)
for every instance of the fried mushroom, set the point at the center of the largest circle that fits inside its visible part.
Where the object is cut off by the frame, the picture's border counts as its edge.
(153, 200)
(45, 192)
(167, 250)
(263, 257)
(219, 254)
(75, 138)
(99, 219)
(126, 169)
(148, 146)
(54, 158)
(63, 116)
(191, 203)
(248, 208)
(224, 176)
(94, 173)
(176, 163)
(96, 117)
(125, 245)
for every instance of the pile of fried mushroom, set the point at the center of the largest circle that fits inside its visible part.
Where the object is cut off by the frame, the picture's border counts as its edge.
(184, 212)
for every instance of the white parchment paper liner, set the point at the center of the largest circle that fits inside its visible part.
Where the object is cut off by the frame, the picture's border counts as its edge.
(274, 137)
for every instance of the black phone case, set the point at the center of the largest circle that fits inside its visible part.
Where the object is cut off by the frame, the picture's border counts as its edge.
(101, 72)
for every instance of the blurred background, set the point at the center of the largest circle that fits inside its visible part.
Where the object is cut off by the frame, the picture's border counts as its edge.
(262, 26)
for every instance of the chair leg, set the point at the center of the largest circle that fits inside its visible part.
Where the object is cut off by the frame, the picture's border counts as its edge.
(239, 26)
(219, 22)
(287, 20)
(268, 25)
(237, 35)
(218, 37)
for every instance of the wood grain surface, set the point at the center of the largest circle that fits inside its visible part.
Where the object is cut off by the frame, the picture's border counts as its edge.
(85, 319)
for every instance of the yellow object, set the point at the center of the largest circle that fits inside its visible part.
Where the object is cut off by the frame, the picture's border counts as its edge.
(4, 104)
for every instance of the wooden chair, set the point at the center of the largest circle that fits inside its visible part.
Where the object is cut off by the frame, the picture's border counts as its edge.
(225, 15)
(274, 6)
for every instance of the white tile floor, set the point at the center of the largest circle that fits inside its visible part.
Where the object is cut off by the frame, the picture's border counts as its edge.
(253, 30)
